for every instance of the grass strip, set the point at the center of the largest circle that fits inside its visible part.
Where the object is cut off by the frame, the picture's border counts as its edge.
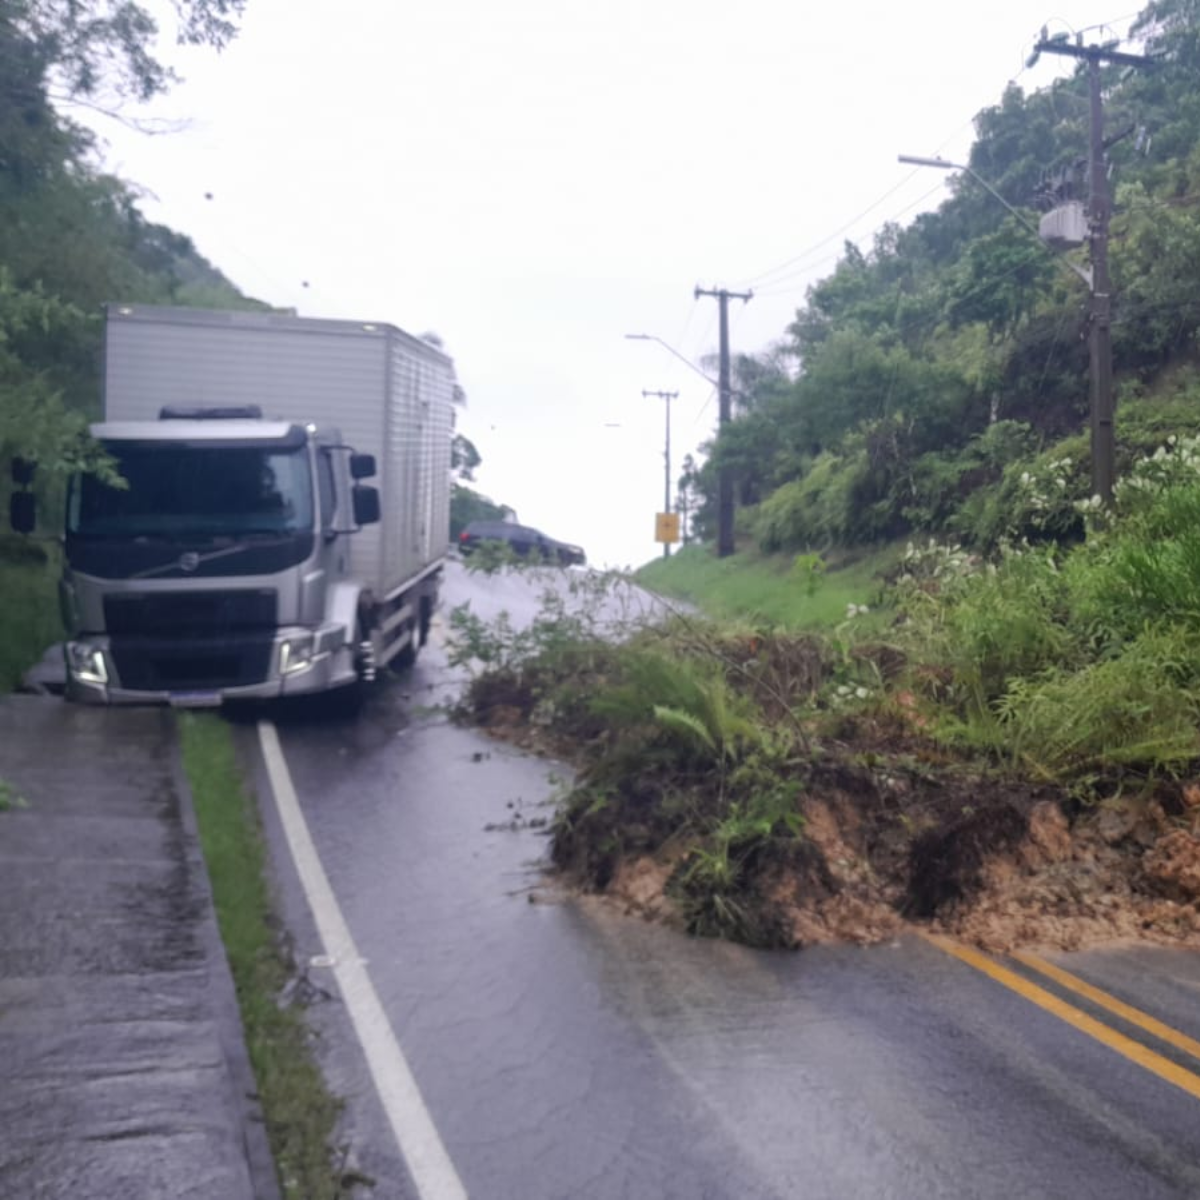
(299, 1111)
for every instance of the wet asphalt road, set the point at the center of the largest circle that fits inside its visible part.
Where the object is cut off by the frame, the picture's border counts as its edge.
(565, 1051)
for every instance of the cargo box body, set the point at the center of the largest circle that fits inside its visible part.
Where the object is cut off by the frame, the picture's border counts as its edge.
(390, 395)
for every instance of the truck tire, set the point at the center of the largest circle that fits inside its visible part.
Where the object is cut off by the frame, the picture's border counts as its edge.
(407, 657)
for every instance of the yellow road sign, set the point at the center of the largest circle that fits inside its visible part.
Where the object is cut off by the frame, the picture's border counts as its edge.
(666, 528)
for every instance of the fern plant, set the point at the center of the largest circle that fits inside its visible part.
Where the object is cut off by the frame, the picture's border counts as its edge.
(687, 702)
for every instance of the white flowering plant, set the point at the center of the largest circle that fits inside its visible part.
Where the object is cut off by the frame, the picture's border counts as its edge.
(1175, 463)
(1047, 497)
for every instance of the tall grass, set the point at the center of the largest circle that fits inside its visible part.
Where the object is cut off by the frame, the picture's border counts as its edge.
(29, 619)
(1081, 663)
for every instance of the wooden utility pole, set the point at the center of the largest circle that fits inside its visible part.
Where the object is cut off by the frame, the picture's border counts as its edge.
(1099, 214)
(725, 390)
(667, 397)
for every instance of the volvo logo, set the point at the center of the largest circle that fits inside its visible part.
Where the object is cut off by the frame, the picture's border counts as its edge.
(189, 561)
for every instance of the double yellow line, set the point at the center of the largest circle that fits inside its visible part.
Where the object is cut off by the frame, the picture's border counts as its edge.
(1133, 1050)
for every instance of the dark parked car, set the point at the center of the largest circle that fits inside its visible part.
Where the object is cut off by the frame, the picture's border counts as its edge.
(523, 540)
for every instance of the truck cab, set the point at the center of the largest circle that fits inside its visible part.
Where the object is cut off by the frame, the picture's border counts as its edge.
(219, 568)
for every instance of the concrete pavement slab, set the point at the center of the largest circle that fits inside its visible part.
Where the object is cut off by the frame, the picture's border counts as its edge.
(124, 1064)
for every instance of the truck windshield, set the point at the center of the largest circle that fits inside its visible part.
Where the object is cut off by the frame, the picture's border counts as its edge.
(195, 491)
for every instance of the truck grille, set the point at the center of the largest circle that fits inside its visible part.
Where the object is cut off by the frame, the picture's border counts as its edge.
(190, 614)
(174, 641)
(156, 664)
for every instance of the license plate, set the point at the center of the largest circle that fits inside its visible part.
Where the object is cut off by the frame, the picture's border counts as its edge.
(194, 699)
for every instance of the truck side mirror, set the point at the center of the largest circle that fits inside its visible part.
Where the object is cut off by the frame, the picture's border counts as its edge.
(362, 466)
(22, 471)
(22, 512)
(366, 504)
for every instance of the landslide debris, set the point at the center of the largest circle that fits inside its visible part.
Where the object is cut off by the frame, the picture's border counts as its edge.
(839, 817)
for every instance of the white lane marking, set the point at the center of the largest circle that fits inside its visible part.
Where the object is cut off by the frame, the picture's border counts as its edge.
(418, 1138)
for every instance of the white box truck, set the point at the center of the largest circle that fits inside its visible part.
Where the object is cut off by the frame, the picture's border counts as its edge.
(245, 558)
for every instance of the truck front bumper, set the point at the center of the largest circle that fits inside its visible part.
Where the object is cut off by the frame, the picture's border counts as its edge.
(206, 672)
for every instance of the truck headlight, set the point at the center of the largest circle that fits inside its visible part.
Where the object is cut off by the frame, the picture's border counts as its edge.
(86, 663)
(296, 654)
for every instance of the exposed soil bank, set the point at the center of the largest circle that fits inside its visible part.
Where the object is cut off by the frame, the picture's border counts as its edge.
(1010, 870)
(892, 831)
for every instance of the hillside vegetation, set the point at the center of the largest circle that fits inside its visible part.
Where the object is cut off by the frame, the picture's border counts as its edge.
(932, 371)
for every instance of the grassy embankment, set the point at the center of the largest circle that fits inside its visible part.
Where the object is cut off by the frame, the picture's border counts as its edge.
(300, 1113)
(779, 590)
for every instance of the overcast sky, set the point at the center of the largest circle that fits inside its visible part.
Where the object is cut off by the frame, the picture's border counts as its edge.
(534, 179)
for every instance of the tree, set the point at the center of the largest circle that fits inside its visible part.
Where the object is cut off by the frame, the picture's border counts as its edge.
(34, 422)
(101, 51)
(464, 458)
(687, 497)
(70, 236)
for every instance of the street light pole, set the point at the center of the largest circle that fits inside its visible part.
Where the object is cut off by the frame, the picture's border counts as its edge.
(667, 397)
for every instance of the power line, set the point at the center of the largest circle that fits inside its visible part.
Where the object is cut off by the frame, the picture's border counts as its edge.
(774, 286)
(764, 275)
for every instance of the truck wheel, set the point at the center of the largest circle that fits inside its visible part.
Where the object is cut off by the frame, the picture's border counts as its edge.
(419, 636)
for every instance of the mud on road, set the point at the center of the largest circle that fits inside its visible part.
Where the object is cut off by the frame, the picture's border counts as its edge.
(893, 831)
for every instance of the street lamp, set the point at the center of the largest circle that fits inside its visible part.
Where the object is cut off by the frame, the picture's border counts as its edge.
(943, 164)
(649, 337)
(1099, 335)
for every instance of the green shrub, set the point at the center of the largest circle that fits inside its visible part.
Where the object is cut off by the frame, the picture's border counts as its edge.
(1036, 499)
(712, 883)
(815, 510)
(1132, 711)
(1143, 569)
(941, 481)
(987, 623)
